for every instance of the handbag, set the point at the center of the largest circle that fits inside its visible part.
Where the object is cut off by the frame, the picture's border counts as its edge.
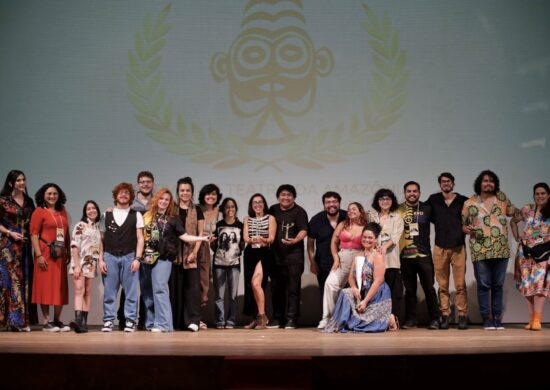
(56, 249)
(538, 253)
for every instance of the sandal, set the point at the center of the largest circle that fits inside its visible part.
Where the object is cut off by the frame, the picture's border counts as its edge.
(394, 323)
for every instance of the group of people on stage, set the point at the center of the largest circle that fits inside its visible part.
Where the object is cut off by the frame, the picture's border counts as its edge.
(163, 250)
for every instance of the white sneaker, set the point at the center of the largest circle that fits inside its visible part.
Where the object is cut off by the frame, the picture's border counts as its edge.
(50, 327)
(130, 326)
(322, 324)
(193, 327)
(107, 326)
(156, 330)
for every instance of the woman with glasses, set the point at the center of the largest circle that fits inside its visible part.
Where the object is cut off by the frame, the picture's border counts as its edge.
(259, 234)
(384, 206)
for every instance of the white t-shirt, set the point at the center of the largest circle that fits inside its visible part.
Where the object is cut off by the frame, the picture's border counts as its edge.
(120, 216)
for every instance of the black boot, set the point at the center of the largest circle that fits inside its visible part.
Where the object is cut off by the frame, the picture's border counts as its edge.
(76, 324)
(84, 322)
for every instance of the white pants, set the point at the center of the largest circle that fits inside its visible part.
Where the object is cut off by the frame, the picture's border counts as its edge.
(336, 280)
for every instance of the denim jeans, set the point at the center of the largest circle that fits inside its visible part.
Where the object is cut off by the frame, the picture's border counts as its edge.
(490, 275)
(119, 273)
(156, 295)
(223, 276)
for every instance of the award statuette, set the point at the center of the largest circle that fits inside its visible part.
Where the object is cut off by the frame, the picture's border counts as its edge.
(285, 227)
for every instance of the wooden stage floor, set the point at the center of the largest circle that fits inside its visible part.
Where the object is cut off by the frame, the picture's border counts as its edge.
(271, 359)
(304, 342)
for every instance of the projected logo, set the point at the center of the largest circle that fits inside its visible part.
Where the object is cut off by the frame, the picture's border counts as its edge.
(271, 71)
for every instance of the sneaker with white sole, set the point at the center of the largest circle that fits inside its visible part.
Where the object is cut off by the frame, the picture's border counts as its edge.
(498, 325)
(156, 330)
(488, 324)
(130, 326)
(107, 326)
(50, 327)
(322, 324)
(193, 327)
(62, 327)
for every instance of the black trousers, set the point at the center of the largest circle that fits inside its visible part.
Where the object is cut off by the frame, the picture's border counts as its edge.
(394, 280)
(423, 268)
(286, 285)
(185, 296)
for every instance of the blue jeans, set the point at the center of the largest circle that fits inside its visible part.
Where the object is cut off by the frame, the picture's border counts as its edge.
(155, 294)
(490, 275)
(119, 273)
(229, 275)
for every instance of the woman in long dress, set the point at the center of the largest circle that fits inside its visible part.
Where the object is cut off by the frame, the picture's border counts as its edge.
(16, 208)
(51, 242)
(365, 307)
(533, 277)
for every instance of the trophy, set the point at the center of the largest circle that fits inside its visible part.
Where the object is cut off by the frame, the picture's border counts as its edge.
(286, 230)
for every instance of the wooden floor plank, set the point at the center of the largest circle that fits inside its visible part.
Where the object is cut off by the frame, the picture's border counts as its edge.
(279, 343)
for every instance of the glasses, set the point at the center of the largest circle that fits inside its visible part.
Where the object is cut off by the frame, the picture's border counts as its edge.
(145, 182)
(258, 202)
(124, 192)
(384, 199)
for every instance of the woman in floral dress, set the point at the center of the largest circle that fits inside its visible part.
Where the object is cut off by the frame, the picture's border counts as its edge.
(16, 208)
(532, 277)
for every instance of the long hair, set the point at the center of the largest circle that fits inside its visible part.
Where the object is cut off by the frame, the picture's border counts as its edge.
(251, 212)
(380, 194)
(85, 217)
(41, 202)
(545, 211)
(171, 210)
(11, 178)
(479, 179)
(362, 215)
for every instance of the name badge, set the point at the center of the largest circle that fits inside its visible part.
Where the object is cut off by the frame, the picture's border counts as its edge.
(59, 235)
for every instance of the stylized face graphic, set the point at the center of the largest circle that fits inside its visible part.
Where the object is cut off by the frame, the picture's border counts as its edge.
(272, 72)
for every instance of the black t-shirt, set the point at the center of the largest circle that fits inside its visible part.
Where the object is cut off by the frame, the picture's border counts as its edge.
(289, 223)
(321, 231)
(447, 220)
(183, 214)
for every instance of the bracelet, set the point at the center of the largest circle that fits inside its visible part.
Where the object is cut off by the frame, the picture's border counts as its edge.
(138, 258)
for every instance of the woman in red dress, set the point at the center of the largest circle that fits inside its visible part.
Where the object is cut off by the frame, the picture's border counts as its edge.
(50, 241)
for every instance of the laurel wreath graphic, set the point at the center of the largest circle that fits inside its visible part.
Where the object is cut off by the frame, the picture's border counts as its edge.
(310, 150)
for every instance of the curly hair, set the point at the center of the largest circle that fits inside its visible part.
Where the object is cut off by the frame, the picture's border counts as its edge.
(124, 187)
(41, 202)
(374, 228)
(479, 179)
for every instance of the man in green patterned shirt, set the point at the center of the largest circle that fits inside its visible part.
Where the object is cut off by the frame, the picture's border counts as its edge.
(484, 220)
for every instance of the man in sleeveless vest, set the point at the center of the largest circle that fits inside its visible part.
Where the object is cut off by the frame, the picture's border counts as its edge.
(123, 248)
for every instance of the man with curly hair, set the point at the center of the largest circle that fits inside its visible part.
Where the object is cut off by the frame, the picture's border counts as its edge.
(119, 264)
(484, 220)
